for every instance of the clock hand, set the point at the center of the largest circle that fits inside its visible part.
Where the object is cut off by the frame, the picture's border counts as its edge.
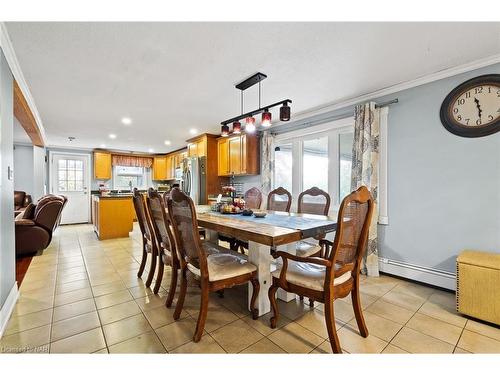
(478, 107)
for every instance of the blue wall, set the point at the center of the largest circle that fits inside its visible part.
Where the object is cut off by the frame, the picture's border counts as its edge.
(443, 190)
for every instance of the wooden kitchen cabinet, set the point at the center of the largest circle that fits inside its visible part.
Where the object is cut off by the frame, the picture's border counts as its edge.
(198, 147)
(239, 155)
(192, 149)
(244, 152)
(160, 168)
(235, 152)
(205, 145)
(223, 161)
(102, 165)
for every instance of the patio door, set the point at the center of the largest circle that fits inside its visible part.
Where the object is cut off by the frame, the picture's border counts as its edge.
(70, 177)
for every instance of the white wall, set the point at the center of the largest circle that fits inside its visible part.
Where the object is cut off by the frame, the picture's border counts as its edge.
(23, 168)
(39, 173)
(7, 241)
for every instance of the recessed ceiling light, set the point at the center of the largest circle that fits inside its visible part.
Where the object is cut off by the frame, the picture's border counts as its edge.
(167, 143)
(126, 120)
(193, 131)
(112, 136)
(103, 146)
(151, 150)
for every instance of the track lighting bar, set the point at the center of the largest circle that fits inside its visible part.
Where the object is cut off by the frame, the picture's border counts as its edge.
(255, 112)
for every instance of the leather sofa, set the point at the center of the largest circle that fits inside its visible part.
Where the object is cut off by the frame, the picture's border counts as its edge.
(21, 201)
(34, 228)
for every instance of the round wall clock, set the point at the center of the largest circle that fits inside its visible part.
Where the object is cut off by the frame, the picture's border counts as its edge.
(472, 109)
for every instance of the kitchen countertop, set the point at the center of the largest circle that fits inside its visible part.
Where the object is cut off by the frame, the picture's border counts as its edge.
(114, 196)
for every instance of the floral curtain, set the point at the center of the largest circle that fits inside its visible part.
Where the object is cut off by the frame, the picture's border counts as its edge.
(267, 143)
(131, 161)
(365, 164)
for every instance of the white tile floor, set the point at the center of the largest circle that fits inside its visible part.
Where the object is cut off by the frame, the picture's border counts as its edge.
(83, 295)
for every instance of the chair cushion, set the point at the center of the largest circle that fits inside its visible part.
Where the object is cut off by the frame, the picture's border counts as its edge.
(306, 249)
(224, 265)
(307, 275)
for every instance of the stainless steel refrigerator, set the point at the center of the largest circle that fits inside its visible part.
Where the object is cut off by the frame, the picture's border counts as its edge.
(193, 181)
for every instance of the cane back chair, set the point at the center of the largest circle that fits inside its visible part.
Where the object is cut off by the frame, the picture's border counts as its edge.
(336, 274)
(274, 204)
(148, 240)
(214, 268)
(312, 201)
(167, 254)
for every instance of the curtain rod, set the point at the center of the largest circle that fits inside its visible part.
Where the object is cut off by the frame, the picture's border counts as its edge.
(385, 104)
(341, 116)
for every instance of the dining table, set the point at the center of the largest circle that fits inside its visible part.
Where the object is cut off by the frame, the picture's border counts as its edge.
(280, 230)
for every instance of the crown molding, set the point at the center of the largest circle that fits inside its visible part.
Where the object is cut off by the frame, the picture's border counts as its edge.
(441, 74)
(15, 68)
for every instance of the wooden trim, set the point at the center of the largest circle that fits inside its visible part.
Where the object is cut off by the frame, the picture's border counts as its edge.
(199, 136)
(25, 117)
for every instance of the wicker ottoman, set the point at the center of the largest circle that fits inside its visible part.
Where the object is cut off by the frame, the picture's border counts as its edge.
(478, 285)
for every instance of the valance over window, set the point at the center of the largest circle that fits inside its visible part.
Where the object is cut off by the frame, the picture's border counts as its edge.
(132, 161)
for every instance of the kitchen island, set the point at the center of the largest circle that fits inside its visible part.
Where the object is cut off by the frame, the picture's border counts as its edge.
(112, 215)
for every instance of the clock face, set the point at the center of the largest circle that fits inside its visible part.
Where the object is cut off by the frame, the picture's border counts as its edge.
(477, 106)
(473, 108)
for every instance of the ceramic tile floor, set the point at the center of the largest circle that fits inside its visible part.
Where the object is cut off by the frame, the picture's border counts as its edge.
(83, 296)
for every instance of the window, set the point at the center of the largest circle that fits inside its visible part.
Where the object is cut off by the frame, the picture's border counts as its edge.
(70, 175)
(315, 163)
(321, 157)
(283, 166)
(127, 178)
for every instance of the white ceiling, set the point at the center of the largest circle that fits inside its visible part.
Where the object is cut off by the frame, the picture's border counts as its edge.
(171, 77)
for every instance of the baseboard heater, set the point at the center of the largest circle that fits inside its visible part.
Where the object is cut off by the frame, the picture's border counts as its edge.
(440, 278)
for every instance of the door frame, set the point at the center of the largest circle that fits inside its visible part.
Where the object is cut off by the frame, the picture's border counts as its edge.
(89, 175)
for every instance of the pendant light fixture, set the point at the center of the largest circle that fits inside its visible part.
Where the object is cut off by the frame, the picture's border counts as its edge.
(236, 127)
(249, 119)
(266, 118)
(250, 124)
(285, 112)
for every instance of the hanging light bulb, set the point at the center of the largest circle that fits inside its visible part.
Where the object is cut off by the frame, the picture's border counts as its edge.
(236, 127)
(285, 112)
(224, 130)
(250, 124)
(266, 118)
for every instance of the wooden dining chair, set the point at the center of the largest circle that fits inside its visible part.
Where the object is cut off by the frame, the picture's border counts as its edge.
(213, 267)
(253, 198)
(336, 274)
(312, 201)
(167, 254)
(148, 239)
(274, 204)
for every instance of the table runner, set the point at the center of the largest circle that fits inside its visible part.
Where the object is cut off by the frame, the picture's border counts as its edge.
(285, 221)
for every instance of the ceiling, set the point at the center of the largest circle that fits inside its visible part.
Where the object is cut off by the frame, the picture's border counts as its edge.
(173, 77)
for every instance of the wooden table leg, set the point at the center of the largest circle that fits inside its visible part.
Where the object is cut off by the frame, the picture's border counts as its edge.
(211, 236)
(259, 255)
(290, 248)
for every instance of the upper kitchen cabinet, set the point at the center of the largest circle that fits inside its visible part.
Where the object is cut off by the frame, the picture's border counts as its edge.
(160, 167)
(222, 156)
(102, 165)
(197, 146)
(205, 145)
(238, 155)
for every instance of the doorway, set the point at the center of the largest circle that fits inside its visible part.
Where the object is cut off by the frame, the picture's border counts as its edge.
(70, 176)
